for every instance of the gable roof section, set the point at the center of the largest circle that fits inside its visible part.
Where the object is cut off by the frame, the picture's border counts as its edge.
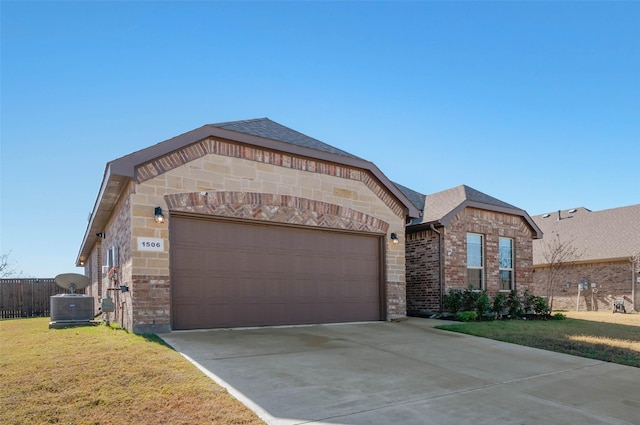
(261, 132)
(611, 234)
(265, 128)
(439, 208)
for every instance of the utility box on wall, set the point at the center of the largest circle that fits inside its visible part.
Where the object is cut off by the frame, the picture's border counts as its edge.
(107, 305)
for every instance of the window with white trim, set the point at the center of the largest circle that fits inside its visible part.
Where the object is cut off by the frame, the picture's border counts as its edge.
(505, 253)
(475, 261)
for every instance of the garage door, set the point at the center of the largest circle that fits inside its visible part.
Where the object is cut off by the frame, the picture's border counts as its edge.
(233, 274)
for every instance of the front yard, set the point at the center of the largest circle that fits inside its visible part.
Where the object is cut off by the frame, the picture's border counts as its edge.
(101, 375)
(597, 335)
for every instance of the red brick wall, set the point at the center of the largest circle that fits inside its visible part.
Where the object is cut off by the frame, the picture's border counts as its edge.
(423, 292)
(613, 279)
(152, 298)
(492, 225)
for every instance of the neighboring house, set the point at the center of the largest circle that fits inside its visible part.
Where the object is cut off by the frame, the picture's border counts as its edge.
(250, 223)
(466, 238)
(604, 243)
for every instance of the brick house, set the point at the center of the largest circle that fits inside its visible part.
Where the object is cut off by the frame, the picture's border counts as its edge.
(246, 223)
(604, 242)
(465, 238)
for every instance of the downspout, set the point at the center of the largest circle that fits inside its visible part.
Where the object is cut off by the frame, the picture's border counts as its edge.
(441, 296)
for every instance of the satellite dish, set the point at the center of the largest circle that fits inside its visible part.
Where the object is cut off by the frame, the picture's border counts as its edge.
(72, 281)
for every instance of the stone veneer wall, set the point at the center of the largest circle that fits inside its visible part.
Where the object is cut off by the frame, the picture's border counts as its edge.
(271, 186)
(612, 278)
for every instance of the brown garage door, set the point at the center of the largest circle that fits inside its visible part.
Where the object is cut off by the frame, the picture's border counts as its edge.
(231, 274)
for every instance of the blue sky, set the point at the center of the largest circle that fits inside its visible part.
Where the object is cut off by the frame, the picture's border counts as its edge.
(534, 103)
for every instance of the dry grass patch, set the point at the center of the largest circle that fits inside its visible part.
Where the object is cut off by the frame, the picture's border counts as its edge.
(631, 319)
(100, 375)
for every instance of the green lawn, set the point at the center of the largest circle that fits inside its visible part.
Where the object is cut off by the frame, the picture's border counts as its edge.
(610, 342)
(101, 375)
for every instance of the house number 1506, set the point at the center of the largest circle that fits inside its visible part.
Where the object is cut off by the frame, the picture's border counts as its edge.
(150, 244)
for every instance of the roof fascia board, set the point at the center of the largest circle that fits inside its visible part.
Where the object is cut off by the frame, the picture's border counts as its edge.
(479, 205)
(96, 205)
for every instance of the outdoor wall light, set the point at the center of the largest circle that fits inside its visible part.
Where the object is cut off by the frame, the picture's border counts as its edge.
(394, 239)
(82, 262)
(158, 216)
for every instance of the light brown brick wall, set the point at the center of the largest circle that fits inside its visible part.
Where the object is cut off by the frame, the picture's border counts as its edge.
(613, 279)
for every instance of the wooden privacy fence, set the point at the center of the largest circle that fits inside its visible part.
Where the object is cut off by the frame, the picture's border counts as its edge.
(27, 297)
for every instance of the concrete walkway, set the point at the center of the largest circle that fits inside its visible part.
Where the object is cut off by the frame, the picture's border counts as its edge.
(407, 373)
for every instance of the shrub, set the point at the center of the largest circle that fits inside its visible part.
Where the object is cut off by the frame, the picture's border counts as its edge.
(499, 304)
(467, 316)
(483, 305)
(470, 299)
(540, 306)
(559, 316)
(514, 305)
(453, 300)
(527, 302)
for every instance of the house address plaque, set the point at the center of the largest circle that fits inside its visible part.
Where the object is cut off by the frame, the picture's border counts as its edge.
(150, 244)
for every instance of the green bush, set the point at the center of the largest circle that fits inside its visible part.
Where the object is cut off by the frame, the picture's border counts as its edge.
(499, 305)
(467, 316)
(502, 305)
(534, 304)
(470, 299)
(483, 305)
(453, 301)
(540, 306)
(514, 305)
(559, 316)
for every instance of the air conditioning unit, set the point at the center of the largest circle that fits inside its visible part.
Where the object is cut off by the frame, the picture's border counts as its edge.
(105, 270)
(71, 308)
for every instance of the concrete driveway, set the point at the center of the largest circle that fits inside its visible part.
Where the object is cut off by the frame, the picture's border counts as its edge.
(407, 373)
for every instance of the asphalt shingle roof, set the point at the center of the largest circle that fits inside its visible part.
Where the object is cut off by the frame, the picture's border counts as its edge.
(440, 204)
(264, 127)
(416, 198)
(597, 235)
